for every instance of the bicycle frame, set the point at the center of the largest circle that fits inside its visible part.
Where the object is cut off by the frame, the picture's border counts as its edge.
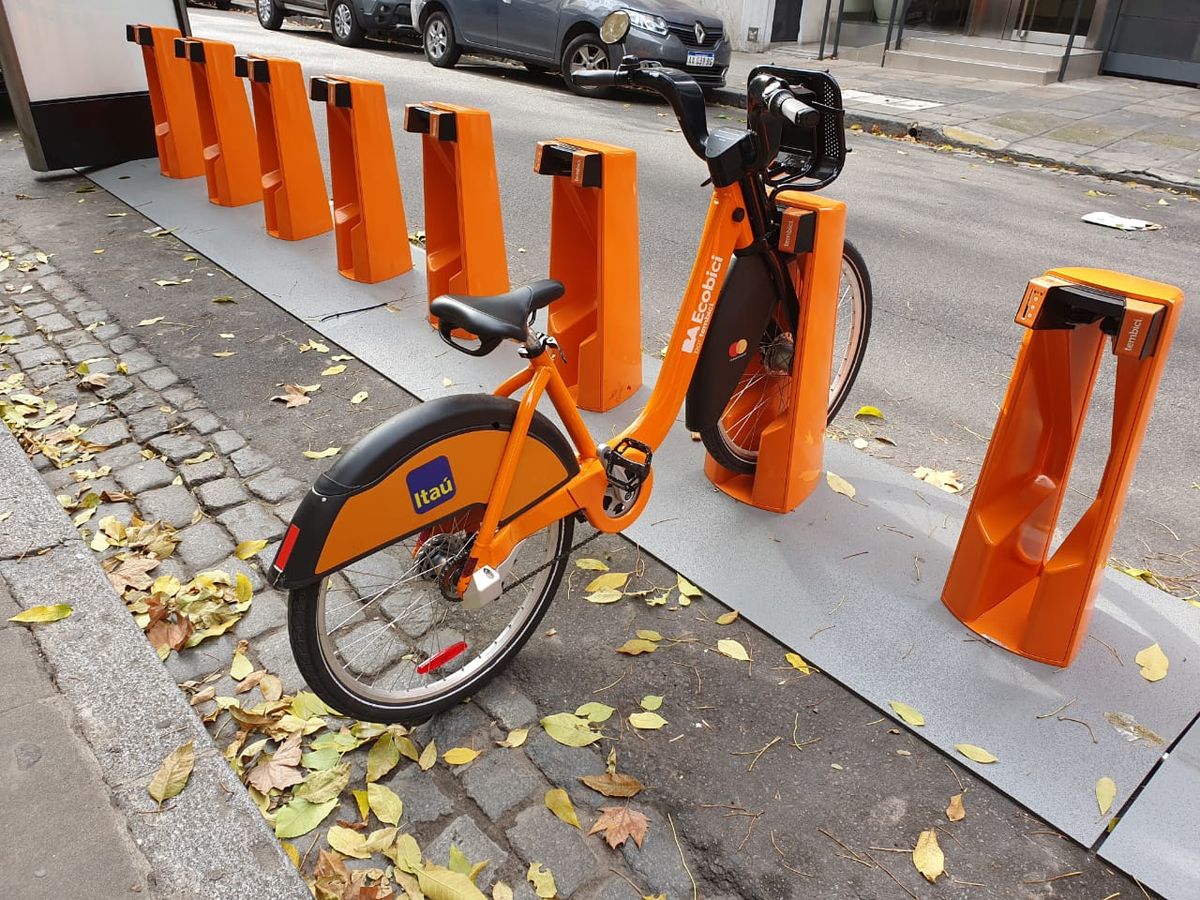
(727, 228)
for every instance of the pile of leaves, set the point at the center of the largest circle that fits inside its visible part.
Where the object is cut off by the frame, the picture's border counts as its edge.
(42, 425)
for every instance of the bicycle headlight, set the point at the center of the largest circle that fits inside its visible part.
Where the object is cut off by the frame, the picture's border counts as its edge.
(647, 22)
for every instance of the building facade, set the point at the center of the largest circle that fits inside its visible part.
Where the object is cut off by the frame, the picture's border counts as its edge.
(1157, 39)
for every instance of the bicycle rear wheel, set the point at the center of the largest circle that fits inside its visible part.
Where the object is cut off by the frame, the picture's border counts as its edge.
(386, 638)
(764, 390)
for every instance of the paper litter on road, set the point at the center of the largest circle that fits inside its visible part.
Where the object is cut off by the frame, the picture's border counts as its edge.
(1121, 223)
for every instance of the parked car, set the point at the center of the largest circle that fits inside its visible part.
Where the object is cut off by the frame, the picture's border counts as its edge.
(350, 21)
(564, 35)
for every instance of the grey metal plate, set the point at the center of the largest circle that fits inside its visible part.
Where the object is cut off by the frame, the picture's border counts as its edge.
(872, 620)
(1157, 840)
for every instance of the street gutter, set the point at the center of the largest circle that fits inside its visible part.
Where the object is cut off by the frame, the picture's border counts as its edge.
(964, 139)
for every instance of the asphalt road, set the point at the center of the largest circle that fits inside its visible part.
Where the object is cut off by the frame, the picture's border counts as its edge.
(950, 238)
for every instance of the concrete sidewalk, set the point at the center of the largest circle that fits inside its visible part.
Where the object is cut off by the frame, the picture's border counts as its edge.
(1121, 128)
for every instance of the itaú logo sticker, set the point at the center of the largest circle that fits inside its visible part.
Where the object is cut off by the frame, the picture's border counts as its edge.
(431, 484)
(704, 306)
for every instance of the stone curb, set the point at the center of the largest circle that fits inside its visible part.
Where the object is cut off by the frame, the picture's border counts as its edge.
(936, 135)
(131, 713)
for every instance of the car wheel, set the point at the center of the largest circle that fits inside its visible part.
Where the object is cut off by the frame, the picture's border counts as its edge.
(586, 51)
(270, 16)
(344, 26)
(440, 47)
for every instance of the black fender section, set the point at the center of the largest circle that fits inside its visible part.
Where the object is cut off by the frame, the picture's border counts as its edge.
(743, 311)
(376, 456)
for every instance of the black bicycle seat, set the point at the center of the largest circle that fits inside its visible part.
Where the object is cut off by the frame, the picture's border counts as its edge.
(498, 316)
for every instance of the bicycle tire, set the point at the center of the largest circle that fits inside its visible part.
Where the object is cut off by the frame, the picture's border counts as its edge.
(734, 453)
(325, 665)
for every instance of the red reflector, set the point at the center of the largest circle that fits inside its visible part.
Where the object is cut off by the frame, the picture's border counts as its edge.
(441, 658)
(285, 549)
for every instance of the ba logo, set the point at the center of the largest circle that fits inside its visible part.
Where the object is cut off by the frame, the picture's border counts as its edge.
(430, 485)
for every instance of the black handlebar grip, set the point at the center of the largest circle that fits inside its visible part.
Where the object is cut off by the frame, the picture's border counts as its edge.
(597, 77)
(799, 113)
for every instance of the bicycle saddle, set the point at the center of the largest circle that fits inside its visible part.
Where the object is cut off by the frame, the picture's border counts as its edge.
(498, 316)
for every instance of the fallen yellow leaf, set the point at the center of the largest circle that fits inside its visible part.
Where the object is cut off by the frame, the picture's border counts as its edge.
(559, 803)
(247, 549)
(459, 756)
(840, 485)
(1106, 793)
(976, 754)
(1153, 663)
(647, 721)
(909, 714)
(733, 649)
(609, 580)
(322, 454)
(928, 857)
(41, 614)
(796, 661)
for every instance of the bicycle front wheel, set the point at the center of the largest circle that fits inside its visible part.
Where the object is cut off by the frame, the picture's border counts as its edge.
(764, 390)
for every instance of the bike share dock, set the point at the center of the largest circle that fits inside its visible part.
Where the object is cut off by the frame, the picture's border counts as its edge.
(855, 587)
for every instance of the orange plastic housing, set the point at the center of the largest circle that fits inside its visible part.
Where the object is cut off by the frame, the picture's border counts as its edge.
(791, 448)
(594, 253)
(172, 101)
(464, 230)
(368, 208)
(295, 200)
(1004, 583)
(226, 128)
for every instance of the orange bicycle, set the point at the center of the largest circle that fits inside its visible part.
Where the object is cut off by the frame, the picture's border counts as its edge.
(422, 561)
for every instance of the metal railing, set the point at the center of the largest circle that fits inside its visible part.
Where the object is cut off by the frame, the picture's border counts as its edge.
(1062, 69)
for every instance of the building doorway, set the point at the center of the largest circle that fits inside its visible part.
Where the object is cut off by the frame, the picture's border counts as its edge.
(785, 20)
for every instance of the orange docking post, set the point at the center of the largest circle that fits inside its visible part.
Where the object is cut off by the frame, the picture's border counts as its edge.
(295, 201)
(791, 446)
(594, 253)
(1004, 583)
(172, 101)
(230, 147)
(464, 230)
(368, 208)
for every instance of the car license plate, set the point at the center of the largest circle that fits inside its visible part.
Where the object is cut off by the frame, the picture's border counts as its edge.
(704, 60)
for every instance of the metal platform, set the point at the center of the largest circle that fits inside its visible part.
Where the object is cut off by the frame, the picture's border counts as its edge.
(852, 586)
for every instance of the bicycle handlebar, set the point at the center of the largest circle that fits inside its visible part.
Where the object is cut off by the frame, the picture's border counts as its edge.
(676, 87)
(768, 93)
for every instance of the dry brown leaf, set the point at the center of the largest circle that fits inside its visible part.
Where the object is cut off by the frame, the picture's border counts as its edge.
(614, 784)
(954, 809)
(280, 771)
(619, 823)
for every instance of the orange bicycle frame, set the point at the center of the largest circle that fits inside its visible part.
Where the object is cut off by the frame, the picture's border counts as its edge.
(726, 230)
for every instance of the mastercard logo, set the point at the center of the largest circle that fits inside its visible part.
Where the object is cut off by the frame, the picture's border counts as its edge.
(737, 348)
